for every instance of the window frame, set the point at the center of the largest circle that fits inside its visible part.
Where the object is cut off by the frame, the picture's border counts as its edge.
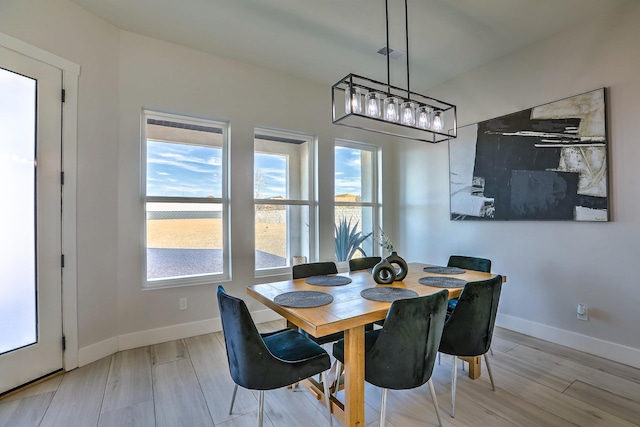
(376, 191)
(310, 202)
(223, 201)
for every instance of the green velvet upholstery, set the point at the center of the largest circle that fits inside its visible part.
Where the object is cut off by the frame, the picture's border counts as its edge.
(301, 271)
(266, 362)
(469, 328)
(468, 263)
(402, 354)
(356, 264)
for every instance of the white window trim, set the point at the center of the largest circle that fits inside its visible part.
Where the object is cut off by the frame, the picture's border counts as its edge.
(376, 197)
(225, 276)
(311, 201)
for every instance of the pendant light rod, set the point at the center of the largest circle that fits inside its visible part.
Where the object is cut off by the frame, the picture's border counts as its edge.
(406, 35)
(386, 14)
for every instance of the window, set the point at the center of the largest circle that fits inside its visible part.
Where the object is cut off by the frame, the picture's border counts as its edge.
(186, 200)
(356, 199)
(283, 195)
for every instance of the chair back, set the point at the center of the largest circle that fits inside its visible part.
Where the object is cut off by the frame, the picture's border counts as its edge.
(301, 271)
(469, 328)
(356, 264)
(249, 358)
(405, 351)
(470, 263)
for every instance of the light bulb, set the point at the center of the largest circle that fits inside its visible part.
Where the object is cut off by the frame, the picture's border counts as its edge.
(373, 104)
(424, 117)
(352, 100)
(408, 113)
(438, 122)
(391, 107)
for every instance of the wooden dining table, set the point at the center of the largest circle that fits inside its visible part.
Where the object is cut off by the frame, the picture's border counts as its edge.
(350, 312)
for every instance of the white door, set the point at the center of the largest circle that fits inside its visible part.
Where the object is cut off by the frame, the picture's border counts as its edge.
(30, 219)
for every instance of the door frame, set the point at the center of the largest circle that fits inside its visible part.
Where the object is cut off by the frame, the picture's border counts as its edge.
(70, 77)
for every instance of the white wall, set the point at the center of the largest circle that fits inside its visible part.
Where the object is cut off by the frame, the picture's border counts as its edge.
(121, 73)
(70, 32)
(550, 266)
(167, 77)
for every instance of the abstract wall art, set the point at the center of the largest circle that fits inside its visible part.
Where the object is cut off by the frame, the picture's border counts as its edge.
(545, 163)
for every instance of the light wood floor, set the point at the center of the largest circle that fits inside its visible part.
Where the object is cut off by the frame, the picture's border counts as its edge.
(187, 383)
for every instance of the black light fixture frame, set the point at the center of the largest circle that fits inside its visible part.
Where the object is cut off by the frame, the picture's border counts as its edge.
(362, 121)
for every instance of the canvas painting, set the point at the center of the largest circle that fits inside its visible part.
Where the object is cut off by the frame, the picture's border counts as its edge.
(545, 163)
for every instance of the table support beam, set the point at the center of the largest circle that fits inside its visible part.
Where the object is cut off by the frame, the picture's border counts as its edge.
(354, 376)
(474, 366)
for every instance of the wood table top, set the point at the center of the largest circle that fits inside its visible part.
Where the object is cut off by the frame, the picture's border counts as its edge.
(348, 308)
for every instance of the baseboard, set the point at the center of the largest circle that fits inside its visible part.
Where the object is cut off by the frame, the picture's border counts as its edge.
(605, 349)
(97, 351)
(109, 346)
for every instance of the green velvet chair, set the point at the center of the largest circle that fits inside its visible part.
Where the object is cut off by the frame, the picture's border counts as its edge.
(468, 263)
(356, 264)
(401, 355)
(469, 329)
(267, 361)
(301, 271)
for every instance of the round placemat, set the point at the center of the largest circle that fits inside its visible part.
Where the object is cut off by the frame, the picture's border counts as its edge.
(387, 294)
(303, 299)
(444, 270)
(327, 280)
(442, 282)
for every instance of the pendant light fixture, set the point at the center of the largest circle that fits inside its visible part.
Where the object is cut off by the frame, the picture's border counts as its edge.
(383, 108)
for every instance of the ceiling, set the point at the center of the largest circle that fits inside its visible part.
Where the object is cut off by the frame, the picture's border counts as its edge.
(324, 40)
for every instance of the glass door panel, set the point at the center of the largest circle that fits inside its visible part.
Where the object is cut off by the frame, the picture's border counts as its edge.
(18, 314)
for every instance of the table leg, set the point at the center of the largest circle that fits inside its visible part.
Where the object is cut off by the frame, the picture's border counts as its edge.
(474, 366)
(354, 376)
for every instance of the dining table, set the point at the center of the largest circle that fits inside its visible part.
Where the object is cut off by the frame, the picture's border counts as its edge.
(350, 312)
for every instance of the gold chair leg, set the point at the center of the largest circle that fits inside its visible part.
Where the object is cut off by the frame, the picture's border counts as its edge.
(383, 408)
(261, 408)
(435, 401)
(486, 360)
(233, 397)
(327, 395)
(454, 378)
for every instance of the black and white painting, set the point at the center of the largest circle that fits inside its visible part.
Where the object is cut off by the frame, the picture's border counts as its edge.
(544, 163)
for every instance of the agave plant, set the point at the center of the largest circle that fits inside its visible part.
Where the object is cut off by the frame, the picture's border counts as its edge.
(348, 240)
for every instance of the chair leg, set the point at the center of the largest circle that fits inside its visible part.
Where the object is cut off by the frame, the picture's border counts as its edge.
(336, 384)
(383, 408)
(435, 401)
(439, 358)
(486, 360)
(233, 397)
(327, 395)
(454, 379)
(260, 408)
(491, 350)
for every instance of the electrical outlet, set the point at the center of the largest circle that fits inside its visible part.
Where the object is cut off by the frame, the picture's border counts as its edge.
(183, 303)
(583, 312)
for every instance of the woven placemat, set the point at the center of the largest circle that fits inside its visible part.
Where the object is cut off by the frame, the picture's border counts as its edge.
(442, 282)
(387, 294)
(303, 299)
(445, 270)
(327, 280)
